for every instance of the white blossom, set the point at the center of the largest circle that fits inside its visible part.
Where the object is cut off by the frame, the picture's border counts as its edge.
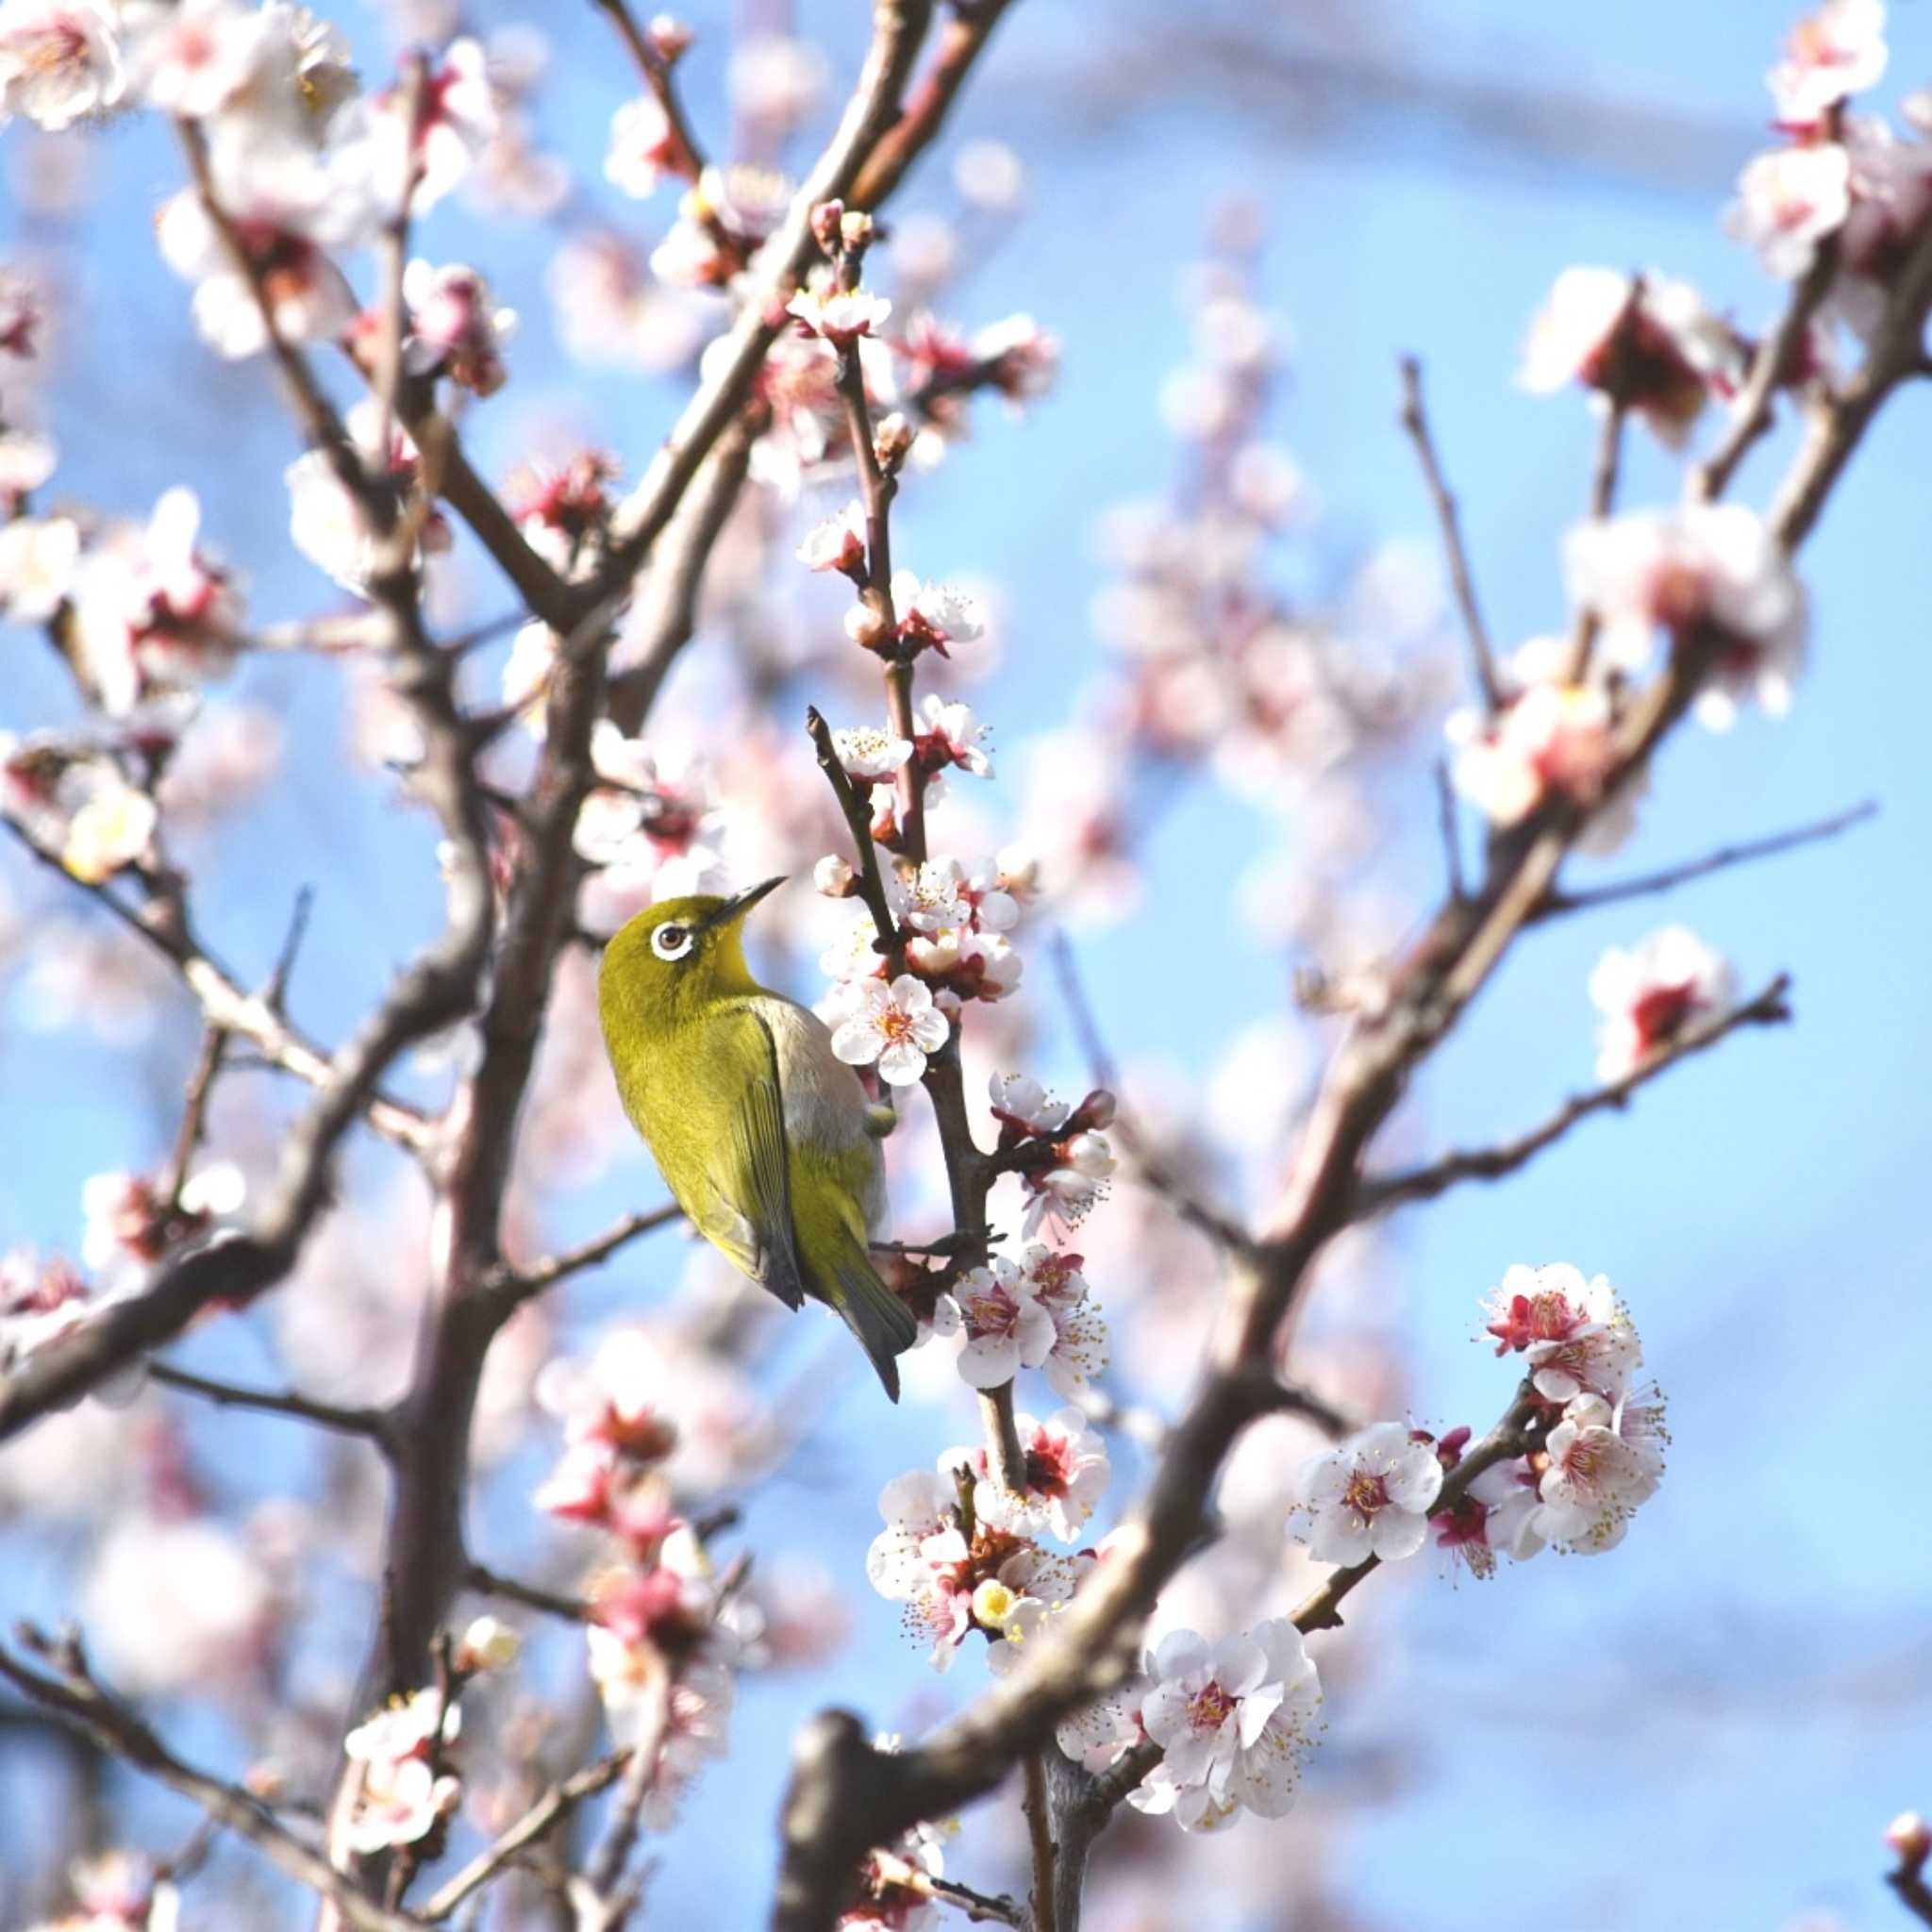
(1369, 1496)
(59, 60)
(897, 1026)
(1649, 994)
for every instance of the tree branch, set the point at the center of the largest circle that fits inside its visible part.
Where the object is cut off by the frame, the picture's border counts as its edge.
(78, 1699)
(374, 1424)
(1726, 856)
(544, 1817)
(1377, 1195)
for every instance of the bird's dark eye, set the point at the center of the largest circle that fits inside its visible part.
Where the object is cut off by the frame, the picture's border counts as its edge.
(671, 942)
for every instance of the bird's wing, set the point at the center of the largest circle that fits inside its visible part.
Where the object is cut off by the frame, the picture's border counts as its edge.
(753, 1179)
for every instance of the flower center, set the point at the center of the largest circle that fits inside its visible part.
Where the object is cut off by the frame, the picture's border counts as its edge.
(1366, 1493)
(1209, 1709)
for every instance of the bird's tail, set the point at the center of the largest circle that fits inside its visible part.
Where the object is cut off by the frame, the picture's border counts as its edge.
(886, 1327)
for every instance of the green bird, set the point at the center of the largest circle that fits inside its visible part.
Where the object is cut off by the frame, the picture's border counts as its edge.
(762, 1134)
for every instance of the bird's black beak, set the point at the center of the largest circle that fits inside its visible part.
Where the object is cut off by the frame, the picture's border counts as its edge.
(734, 909)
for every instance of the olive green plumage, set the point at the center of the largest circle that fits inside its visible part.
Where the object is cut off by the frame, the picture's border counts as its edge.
(760, 1132)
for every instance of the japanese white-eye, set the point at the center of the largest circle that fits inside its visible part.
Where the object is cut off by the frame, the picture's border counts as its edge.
(764, 1137)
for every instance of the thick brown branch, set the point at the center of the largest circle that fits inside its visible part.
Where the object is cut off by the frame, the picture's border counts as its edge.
(1378, 1194)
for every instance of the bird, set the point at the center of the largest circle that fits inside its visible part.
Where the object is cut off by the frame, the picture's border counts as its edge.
(764, 1137)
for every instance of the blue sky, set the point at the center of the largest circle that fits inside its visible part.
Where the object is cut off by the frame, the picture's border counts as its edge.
(1712, 1725)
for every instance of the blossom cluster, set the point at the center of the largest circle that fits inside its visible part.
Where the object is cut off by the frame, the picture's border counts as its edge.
(119, 1891)
(660, 1642)
(1231, 1723)
(1598, 1440)
(407, 1786)
(964, 1553)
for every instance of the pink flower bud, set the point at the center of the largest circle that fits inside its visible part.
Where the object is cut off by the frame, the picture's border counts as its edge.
(1096, 1111)
(1910, 1837)
(867, 628)
(826, 223)
(669, 35)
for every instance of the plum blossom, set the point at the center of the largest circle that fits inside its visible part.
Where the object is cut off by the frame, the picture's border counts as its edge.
(563, 509)
(40, 1302)
(156, 609)
(894, 1890)
(643, 147)
(278, 221)
(1833, 52)
(1007, 1328)
(1789, 199)
(488, 1644)
(1016, 1601)
(375, 154)
(1550, 735)
(59, 60)
(406, 1792)
(934, 615)
(119, 1891)
(38, 555)
(1711, 570)
(867, 752)
(1079, 1343)
(897, 1026)
(1649, 343)
(112, 822)
(837, 543)
(1233, 1721)
(194, 57)
(455, 327)
(1650, 993)
(1064, 1473)
(1602, 1461)
(128, 1221)
(327, 522)
(1100, 1734)
(1496, 1512)
(948, 734)
(1369, 1497)
(1574, 1335)
(839, 316)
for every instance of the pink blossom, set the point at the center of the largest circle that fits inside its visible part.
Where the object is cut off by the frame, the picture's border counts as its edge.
(1603, 1463)
(455, 327)
(1006, 1329)
(1650, 993)
(643, 147)
(949, 734)
(1063, 1475)
(1574, 1335)
(59, 60)
(839, 316)
(837, 543)
(1837, 51)
(1787, 201)
(194, 57)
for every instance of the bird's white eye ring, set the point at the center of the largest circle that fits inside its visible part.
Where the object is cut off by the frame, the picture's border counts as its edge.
(671, 942)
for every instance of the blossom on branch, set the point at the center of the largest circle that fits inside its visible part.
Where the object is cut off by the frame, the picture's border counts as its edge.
(1371, 1497)
(1710, 574)
(1649, 994)
(454, 326)
(1233, 1721)
(1063, 1475)
(1603, 1460)
(406, 1792)
(1646, 343)
(1007, 1328)
(867, 752)
(837, 543)
(1574, 1335)
(643, 147)
(119, 1891)
(59, 60)
(839, 316)
(895, 1027)
(1834, 53)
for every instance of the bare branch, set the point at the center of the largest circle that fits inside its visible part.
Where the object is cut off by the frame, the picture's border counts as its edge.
(687, 158)
(572, 1609)
(1377, 1195)
(1726, 856)
(517, 1284)
(374, 1424)
(207, 1067)
(1416, 423)
(1908, 1886)
(979, 1909)
(76, 1698)
(544, 1817)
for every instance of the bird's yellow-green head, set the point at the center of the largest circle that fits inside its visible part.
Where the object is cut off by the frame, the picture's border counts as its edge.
(672, 962)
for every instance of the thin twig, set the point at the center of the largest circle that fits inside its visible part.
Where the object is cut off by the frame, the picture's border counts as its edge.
(858, 816)
(1603, 497)
(201, 1082)
(374, 1424)
(1777, 356)
(544, 1817)
(1908, 1886)
(1377, 1195)
(520, 1284)
(1726, 856)
(1446, 826)
(687, 158)
(572, 1609)
(980, 1908)
(1462, 579)
(275, 994)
